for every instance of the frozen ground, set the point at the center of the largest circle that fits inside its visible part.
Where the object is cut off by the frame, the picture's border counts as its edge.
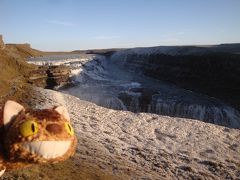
(147, 146)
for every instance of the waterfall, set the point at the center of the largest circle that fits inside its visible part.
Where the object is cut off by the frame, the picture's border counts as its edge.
(114, 103)
(217, 115)
(134, 104)
(208, 112)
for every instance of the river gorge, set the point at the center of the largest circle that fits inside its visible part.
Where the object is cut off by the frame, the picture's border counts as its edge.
(118, 83)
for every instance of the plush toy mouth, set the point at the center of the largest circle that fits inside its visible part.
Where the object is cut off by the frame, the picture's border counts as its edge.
(48, 149)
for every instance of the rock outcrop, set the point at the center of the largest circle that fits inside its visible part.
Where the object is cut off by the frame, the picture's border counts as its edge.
(2, 45)
(50, 76)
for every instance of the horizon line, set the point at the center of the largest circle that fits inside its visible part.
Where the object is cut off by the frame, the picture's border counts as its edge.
(132, 47)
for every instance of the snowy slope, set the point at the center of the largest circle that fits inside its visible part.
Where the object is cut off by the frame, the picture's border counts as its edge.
(128, 145)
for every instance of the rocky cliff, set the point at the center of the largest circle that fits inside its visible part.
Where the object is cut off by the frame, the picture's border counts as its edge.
(50, 76)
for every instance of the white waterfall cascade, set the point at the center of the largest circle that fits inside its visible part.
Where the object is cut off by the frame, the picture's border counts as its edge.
(212, 113)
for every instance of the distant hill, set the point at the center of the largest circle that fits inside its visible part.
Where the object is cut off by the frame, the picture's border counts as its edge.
(22, 50)
(169, 50)
(184, 50)
(230, 48)
(105, 52)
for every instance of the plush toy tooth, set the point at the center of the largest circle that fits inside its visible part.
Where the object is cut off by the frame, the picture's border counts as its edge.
(48, 149)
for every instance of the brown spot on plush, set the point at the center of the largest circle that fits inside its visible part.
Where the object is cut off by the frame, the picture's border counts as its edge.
(54, 128)
(46, 114)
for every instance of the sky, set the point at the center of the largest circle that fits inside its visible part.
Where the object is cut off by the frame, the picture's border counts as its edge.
(63, 25)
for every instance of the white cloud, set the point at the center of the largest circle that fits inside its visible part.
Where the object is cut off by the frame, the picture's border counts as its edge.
(63, 23)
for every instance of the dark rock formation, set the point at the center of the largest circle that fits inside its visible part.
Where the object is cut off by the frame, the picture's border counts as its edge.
(50, 76)
(214, 74)
(2, 45)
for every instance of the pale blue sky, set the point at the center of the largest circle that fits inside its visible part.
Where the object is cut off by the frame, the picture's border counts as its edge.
(77, 24)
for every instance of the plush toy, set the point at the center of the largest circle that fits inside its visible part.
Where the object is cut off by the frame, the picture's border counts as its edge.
(34, 136)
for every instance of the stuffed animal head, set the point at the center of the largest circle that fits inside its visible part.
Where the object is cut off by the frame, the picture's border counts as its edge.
(37, 136)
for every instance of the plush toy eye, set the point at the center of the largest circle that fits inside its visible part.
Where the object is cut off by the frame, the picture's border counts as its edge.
(28, 128)
(69, 129)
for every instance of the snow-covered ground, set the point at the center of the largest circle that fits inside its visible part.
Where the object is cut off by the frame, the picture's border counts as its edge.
(147, 146)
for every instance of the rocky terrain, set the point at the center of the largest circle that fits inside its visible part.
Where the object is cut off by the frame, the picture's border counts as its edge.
(123, 145)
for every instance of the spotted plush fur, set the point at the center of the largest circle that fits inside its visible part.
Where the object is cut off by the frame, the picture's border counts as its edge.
(52, 127)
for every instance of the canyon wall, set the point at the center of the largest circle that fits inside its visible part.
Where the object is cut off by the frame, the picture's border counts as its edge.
(208, 72)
